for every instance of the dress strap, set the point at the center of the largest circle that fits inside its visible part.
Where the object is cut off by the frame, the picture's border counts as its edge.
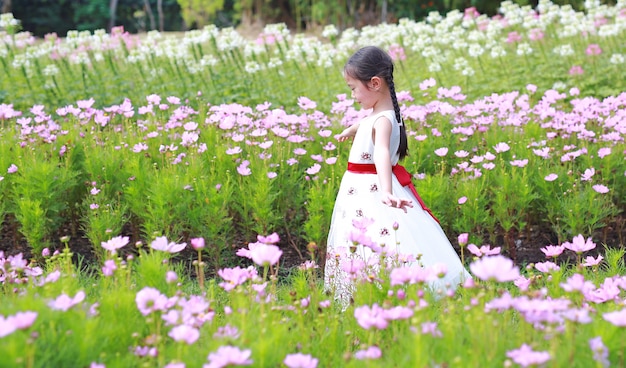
(403, 176)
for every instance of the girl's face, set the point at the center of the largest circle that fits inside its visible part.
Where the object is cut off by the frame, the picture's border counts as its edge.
(362, 93)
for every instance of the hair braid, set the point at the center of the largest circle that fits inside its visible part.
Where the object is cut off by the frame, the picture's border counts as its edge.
(403, 147)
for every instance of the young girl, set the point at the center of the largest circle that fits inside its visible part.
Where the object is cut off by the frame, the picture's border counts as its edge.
(377, 210)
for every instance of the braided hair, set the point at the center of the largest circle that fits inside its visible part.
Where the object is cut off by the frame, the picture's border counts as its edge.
(369, 62)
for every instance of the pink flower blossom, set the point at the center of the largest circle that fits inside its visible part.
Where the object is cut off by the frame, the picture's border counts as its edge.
(501, 147)
(171, 277)
(314, 169)
(197, 243)
(441, 152)
(265, 254)
(368, 317)
(64, 302)
(590, 261)
(12, 169)
(551, 177)
(576, 70)
(579, 245)
(373, 352)
(547, 267)
(150, 300)
(588, 174)
(602, 189)
(236, 276)
(109, 267)
(617, 318)
(306, 104)
(577, 282)
(430, 328)
(115, 243)
(593, 49)
(553, 250)
(525, 356)
(462, 200)
(463, 238)
(427, 83)
(498, 268)
(184, 333)
(604, 151)
(396, 52)
(162, 244)
(243, 168)
(484, 250)
(300, 360)
(228, 355)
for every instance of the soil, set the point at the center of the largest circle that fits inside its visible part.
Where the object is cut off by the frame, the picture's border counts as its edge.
(527, 247)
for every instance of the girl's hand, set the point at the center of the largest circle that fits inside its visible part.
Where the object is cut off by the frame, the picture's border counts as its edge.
(343, 136)
(393, 201)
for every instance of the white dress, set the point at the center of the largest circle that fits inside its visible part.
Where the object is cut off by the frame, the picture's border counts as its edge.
(359, 210)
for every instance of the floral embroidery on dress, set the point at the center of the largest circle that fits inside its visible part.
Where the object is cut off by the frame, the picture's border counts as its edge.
(384, 231)
(351, 191)
(359, 213)
(374, 188)
(366, 156)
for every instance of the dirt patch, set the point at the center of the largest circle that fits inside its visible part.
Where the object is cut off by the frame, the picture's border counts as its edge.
(526, 249)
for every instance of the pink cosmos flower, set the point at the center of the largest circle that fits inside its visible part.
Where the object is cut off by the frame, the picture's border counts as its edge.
(430, 328)
(463, 238)
(273, 238)
(162, 244)
(427, 83)
(243, 168)
(234, 150)
(484, 250)
(553, 250)
(306, 104)
(603, 152)
(115, 243)
(600, 351)
(396, 52)
(184, 333)
(602, 189)
(314, 169)
(498, 268)
(577, 282)
(300, 360)
(593, 49)
(519, 163)
(150, 300)
(588, 174)
(410, 275)
(265, 254)
(171, 277)
(227, 331)
(64, 302)
(590, 261)
(501, 147)
(617, 318)
(441, 152)
(236, 276)
(526, 357)
(551, 177)
(373, 352)
(462, 200)
(228, 355)
(12, 169)
(576, 70)
(368, 317)
(109, 267)
(579, 245)
(197, 243)
(547, 267)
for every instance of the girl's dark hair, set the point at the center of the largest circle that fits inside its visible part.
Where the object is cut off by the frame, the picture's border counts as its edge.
(371, 61)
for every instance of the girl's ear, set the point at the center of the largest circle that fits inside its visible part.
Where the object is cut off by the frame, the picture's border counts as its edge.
(375, 83)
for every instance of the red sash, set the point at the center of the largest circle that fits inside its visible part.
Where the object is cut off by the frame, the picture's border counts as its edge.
(401, 174)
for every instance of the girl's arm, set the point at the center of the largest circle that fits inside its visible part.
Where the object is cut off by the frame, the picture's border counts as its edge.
(348, 132)
(381, 135)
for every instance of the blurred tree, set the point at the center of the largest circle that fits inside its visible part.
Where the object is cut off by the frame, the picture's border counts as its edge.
(198, 13)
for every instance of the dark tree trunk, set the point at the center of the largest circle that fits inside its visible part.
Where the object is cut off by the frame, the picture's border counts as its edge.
(150, 14)
(112, 13)
(160, 13)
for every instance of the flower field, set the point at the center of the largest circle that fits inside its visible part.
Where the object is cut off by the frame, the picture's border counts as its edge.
(140, 178)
